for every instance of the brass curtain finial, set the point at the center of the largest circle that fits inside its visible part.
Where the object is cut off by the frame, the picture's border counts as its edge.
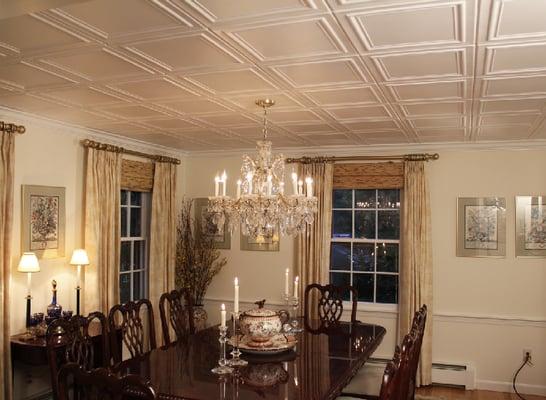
(117, 149)
(326, 159)
(11, 128)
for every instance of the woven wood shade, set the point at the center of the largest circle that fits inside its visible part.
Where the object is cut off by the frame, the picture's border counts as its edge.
(137, 175)
(387, 175)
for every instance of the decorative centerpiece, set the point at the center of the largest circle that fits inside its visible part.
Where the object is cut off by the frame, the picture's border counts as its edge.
(262, 325)
(197, 261)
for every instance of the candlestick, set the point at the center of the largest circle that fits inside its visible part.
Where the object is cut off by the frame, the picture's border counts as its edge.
(296, 284)
(295, 322)
(249, 179)
(309, 184)
(286, 282)
(300, 187)
(222, 367)
(223, 316)
(295, 183)
(239, 182)
(236, 353)
(224, 183)
(236, 299)
(216, 183)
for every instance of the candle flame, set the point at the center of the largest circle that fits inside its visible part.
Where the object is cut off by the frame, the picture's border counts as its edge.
(308, 180)
(236, 281)
(223, 307)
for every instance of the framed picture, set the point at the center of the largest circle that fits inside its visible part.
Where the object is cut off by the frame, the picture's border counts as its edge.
(205, 226)
(481, 227)
(43, 220)
(260, 243)
(530, 226)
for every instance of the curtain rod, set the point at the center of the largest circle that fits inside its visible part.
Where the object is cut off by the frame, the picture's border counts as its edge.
(11, 128)
(403, 157)
(117, 149)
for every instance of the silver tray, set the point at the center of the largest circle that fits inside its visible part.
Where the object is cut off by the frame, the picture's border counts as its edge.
(279, 344)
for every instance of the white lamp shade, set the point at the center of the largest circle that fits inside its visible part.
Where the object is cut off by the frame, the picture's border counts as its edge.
(79, 257)
(28, 263)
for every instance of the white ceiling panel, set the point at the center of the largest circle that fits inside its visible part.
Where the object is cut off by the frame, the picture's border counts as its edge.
(186, 73)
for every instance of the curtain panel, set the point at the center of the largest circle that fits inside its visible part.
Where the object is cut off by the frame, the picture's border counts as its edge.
(313, 245)
(162, 233)
(416, 261)
(102, 229)
(6, 211)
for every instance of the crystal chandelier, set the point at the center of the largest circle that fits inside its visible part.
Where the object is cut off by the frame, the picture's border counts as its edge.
(261, 207)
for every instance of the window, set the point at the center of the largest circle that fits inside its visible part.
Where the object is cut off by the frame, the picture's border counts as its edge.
(365, 244)
(133, 267)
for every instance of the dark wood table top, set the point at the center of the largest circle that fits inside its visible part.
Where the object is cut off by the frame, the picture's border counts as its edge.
(319, 369)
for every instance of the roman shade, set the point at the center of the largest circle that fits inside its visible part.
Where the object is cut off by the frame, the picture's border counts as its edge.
(387, 175)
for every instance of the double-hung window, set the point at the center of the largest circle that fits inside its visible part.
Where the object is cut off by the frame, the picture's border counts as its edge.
(365, 243)
(133, 268)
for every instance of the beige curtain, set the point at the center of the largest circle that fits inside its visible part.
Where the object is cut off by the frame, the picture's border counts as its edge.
(416, 261)
(162, 234)
(102, 229)
(6, 211)
(313, 245)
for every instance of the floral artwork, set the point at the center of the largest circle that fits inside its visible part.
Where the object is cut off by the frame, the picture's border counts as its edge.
(531, 226)
(480, 227)
(535, 227)
(44, 222)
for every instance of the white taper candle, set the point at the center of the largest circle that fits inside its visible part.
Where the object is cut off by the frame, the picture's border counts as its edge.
(295, 183)
(286, 282)
(223, 315)
(309, 185)
(224, 183)
(216, 184)
(236, 297)
(239, 182)
(296, 284)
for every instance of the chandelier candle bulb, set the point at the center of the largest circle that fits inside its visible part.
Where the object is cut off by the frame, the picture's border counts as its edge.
(249, 179)
(224, 181)
(239, 182)
(236, 299)
(300, 187)
(281, 187)
(269, 184)
(216, 185)
(223, 316)
(296, 284)
(309, 184)
(295, 183)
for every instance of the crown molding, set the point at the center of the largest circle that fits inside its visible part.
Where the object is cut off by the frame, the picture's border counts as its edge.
(89, 133)
(539, 144)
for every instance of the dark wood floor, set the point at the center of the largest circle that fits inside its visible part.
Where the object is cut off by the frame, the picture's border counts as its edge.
(461, 394)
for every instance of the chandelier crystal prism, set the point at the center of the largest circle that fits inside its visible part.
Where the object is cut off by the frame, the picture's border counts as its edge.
(262, 207)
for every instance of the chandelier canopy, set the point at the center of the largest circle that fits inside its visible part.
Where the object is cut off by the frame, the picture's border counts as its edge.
(261, 207)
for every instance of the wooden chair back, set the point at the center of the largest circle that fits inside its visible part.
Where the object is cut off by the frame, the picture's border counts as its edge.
(69, 341)
(176, 312)
(134, 321)
(329, 302)
(390, 383)
(99, 384)
(417, 331)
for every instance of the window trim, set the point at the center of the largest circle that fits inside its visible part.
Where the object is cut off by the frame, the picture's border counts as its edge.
(145, 208)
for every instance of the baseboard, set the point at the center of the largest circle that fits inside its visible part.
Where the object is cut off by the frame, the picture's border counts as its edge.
(524, 388)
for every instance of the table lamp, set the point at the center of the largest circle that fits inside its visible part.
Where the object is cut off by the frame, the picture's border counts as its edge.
(29, 264)
(79, 258)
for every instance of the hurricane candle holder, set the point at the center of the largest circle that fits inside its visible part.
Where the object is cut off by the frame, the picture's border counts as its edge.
(222, 367)
(236, 360)
(295, 324)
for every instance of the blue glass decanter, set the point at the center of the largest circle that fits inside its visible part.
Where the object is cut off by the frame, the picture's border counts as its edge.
(54, 310)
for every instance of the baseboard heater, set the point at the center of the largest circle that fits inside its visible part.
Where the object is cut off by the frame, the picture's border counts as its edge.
(445, 374)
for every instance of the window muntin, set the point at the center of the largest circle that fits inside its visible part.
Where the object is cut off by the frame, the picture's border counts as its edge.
(365, 242)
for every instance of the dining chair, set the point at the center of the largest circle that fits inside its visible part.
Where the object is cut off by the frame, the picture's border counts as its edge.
(409, 353)
(76, 383)
(134, 322)
(176, 311)
(70, 341)
(328, 300)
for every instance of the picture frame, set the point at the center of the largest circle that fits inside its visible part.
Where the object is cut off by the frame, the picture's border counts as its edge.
(531, 226)
(205, 226)
(481, 227)
(260, 244)
(43, 220)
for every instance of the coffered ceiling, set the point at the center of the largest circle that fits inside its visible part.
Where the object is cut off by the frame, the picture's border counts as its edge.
(185, 74)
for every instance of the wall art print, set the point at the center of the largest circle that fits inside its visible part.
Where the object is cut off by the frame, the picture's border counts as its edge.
(530, 226)
(205, 225)
(43, 220)
(481, 227)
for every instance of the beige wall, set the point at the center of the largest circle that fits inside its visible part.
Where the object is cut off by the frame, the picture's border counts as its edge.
(486, 310)
(51, 155)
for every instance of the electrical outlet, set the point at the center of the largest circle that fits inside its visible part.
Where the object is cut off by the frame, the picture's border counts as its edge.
(525, 351)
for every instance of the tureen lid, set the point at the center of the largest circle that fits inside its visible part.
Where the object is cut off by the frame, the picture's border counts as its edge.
(260, 311)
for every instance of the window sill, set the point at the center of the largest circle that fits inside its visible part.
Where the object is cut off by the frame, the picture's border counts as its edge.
(373, 307)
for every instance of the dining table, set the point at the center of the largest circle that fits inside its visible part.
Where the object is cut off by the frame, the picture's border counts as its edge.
(317, 368)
